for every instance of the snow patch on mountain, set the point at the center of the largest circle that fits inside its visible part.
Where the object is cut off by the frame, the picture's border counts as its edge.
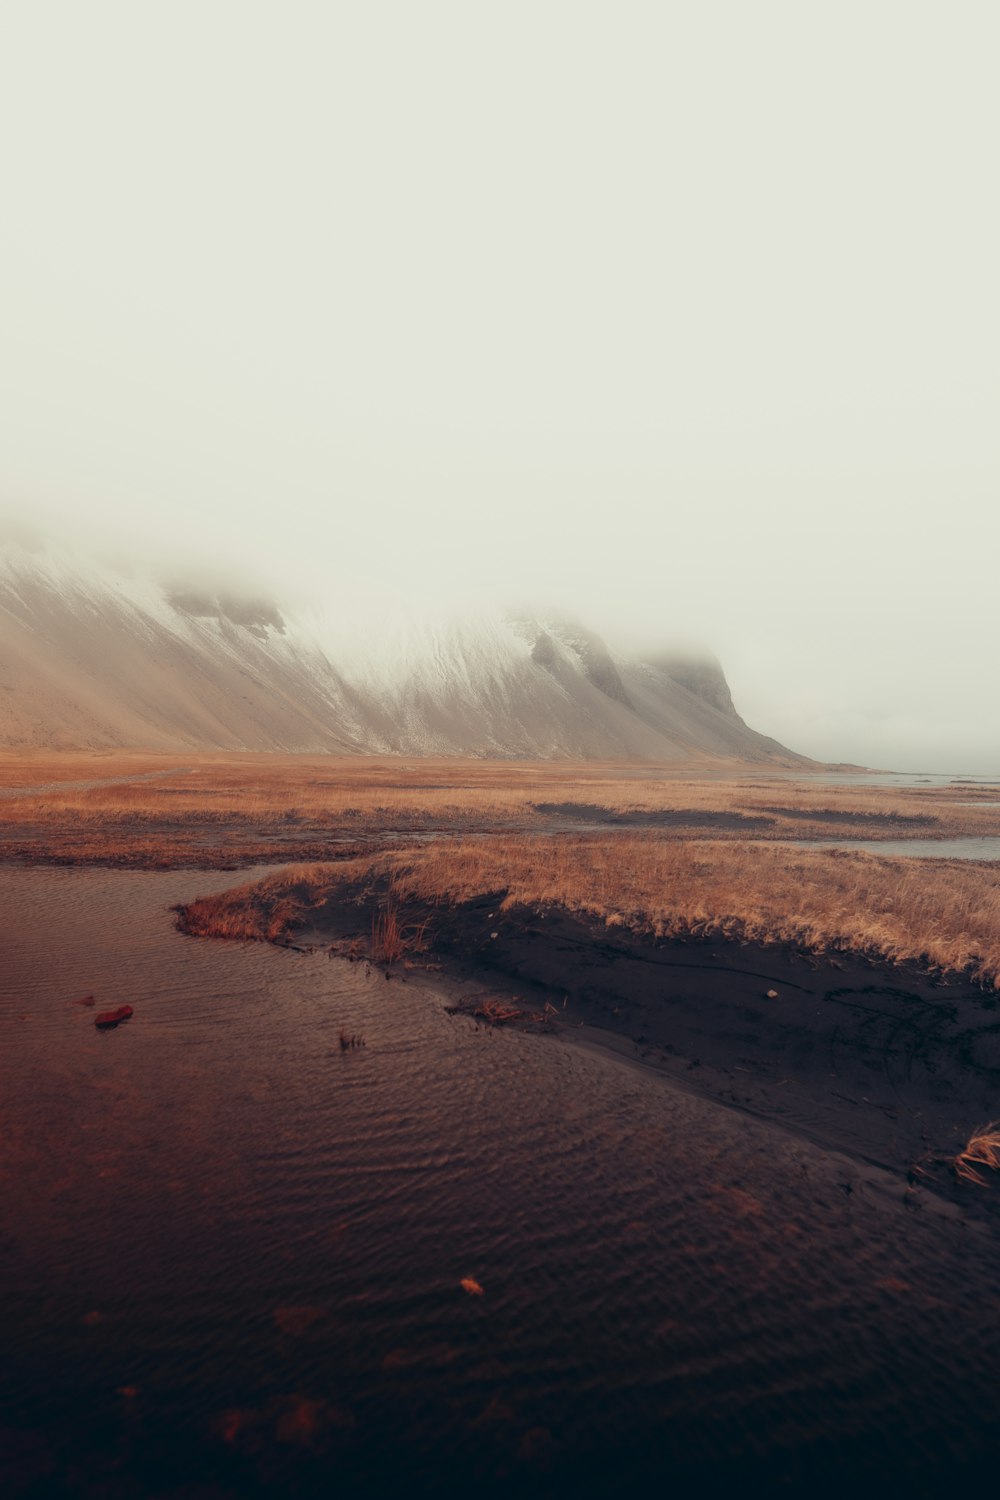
(94, 653)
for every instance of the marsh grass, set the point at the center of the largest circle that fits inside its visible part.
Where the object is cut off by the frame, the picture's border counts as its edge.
(981, 1150)
(262, 911)
(285, 798)
(387, 944)
(392, 940)
(942, 914)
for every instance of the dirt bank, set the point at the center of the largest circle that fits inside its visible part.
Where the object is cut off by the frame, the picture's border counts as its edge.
(891, 1065)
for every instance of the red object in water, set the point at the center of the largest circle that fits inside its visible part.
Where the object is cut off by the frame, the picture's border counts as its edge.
(112, 1017)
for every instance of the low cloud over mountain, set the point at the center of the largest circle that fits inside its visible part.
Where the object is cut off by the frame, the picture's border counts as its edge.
(97, 657)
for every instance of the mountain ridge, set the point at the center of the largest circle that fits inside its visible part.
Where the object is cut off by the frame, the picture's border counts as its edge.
(96, 657)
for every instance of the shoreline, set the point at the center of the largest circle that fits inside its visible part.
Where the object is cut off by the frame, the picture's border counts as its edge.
(887, 1065)
(574, 1182)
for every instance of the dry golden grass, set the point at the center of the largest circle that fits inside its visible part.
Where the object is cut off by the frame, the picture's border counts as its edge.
(290, 804)
(942, 913)
(392, 940)
(20, 768)
(981, 1150)
(262, 911)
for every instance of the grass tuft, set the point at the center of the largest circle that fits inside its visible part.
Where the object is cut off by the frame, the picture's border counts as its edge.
(981, 1150)
(391, 940)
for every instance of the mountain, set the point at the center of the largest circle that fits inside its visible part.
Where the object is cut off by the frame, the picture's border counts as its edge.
(95, 657)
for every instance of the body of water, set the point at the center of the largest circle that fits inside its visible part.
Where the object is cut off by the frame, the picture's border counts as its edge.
(237, 1259)
(901, 778)
(987, 848)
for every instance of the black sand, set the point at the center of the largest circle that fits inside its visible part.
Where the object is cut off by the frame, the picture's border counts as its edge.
(890, 1064)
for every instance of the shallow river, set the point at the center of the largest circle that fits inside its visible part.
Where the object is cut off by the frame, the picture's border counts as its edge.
(987, 848)
(232, 1254)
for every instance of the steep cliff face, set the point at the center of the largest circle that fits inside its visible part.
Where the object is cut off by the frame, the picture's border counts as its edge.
(95, 658)
(701, 675)
(256, 615)
(592, 657)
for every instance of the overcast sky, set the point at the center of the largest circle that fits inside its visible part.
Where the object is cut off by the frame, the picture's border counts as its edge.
(682, 315)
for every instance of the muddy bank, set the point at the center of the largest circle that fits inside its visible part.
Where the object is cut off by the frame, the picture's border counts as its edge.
(588, 815)
(181, 850)
(888, 1063)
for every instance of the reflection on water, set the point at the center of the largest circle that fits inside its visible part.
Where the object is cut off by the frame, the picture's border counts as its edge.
(987, 848)
(233, 1253)
(899, 778)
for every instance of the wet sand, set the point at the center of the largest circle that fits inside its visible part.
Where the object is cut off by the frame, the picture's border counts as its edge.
(890, 1064)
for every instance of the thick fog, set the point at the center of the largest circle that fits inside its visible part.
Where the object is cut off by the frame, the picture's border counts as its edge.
(681, 317)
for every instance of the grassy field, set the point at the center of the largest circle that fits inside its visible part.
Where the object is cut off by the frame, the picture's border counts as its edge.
(704, 848)
(226, 809)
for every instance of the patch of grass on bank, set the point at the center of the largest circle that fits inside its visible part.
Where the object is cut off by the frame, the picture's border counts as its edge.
(262, 911)
(941, 913)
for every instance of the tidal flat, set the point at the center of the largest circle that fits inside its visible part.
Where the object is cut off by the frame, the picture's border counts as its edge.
(463, 1182)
